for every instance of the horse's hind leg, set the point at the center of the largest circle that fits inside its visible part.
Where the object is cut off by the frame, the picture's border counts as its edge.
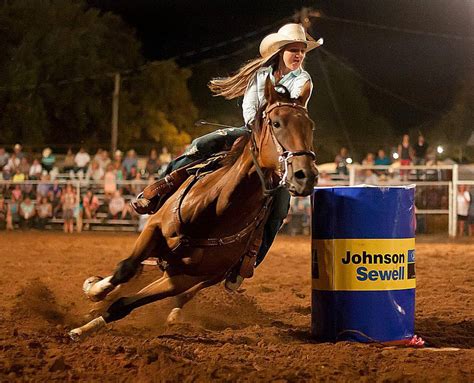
(164, 287)
(146, 245)
(175, 315)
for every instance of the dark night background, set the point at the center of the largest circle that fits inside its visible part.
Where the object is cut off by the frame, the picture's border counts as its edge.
(424, 69)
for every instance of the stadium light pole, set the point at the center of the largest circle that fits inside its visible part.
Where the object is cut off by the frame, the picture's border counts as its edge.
(115, 110)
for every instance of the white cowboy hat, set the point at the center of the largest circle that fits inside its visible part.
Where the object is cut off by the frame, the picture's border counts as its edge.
(287, 34)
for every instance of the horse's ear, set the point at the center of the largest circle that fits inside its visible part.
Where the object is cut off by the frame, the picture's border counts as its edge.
(270, 92)
(305, 93)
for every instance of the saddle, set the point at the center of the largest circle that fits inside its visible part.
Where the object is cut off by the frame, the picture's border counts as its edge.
(155, 195)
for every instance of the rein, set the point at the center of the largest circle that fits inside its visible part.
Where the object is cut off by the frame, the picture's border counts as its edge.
(285, 156)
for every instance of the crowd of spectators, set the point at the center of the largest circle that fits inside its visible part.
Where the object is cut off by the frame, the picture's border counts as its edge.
(75, 189)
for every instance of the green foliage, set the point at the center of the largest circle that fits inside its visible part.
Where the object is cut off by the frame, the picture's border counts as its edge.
(48, 41)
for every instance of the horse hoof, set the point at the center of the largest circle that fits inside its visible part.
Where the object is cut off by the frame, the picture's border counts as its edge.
(175, 317)
(75, 334)
(233, 286)
(96, 288)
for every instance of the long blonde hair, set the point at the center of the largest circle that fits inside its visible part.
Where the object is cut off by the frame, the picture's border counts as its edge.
(236, 84)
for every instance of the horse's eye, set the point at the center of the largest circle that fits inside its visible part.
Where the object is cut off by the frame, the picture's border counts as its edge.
(276, 124)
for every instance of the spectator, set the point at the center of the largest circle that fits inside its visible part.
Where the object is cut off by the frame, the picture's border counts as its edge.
(44, 211)
(68, 164)
(370, 177)
(152, 164)
(48, 160)
(17, 149)
(341, 162)
(95, 172)
(117, 207)
(81, 160)
(420, 150)
(55, 197)
(405, 155)
(369, 160)
(44, 187)
(165, 158)
(470, 215)
(68, 201)
(118, 155)
(119, 172)
(35, 170)
(98, 154)
(14, 205)
(5, 215)
(463, 202)
(4, 156)
(110, 181)
(24, 167)
(91, 204)
(103, 160)
(18, 176)
(13, 164)
(27, 213)
(324, 179)
(382, 160)
(130, 162)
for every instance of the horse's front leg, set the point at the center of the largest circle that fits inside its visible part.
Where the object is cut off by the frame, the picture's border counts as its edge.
(166, 286)
(146, 245)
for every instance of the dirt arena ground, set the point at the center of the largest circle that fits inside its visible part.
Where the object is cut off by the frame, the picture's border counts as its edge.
(260, 334)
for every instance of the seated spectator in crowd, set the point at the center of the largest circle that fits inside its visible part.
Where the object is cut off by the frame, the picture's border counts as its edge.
(137, 185)
(110, 181)
(68, 163)
(369, 160)
(48, 159)
(5, 215)
(18, 176)
(341, 162)
(27, 213)
(129, 162)
(382, 158)
(119, 171)
(103, 159)
(95, 172)
(44, 187)
(118, 209)
(44, 211)
(81, 160)
(165, 158)
(35, 170)
(118, 156)
(152, 164)
(12, 165)
(25, 167)
(133, 173)
(18, 151)
(68, 201)
(90, 203)
(4, 156)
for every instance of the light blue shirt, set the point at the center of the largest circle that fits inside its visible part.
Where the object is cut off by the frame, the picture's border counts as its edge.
(255, 94)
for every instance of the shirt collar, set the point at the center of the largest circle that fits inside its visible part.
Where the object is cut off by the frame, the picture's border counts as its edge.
(294, 73)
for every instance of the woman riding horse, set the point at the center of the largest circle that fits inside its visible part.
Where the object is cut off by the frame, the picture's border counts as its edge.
(282, 57)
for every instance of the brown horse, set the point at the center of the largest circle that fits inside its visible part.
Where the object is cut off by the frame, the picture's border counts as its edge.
(206, 227)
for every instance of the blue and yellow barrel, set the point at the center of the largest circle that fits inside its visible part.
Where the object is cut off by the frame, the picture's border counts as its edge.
(363, 263)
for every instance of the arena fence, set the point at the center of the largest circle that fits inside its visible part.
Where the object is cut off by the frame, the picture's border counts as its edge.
(437, 190)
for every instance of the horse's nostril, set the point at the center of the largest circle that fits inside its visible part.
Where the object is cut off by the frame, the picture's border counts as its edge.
(300, 175)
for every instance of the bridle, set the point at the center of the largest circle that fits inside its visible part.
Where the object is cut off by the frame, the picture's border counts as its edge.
(285, 156)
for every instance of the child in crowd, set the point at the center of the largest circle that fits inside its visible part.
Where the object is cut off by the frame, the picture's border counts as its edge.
(44, 211)
(68, 201)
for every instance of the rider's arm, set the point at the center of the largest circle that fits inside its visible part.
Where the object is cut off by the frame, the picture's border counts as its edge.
(250, 102)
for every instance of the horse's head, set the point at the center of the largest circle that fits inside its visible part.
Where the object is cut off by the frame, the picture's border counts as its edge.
(285, 140)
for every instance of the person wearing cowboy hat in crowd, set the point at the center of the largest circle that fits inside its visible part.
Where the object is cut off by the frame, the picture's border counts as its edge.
(281, 59)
